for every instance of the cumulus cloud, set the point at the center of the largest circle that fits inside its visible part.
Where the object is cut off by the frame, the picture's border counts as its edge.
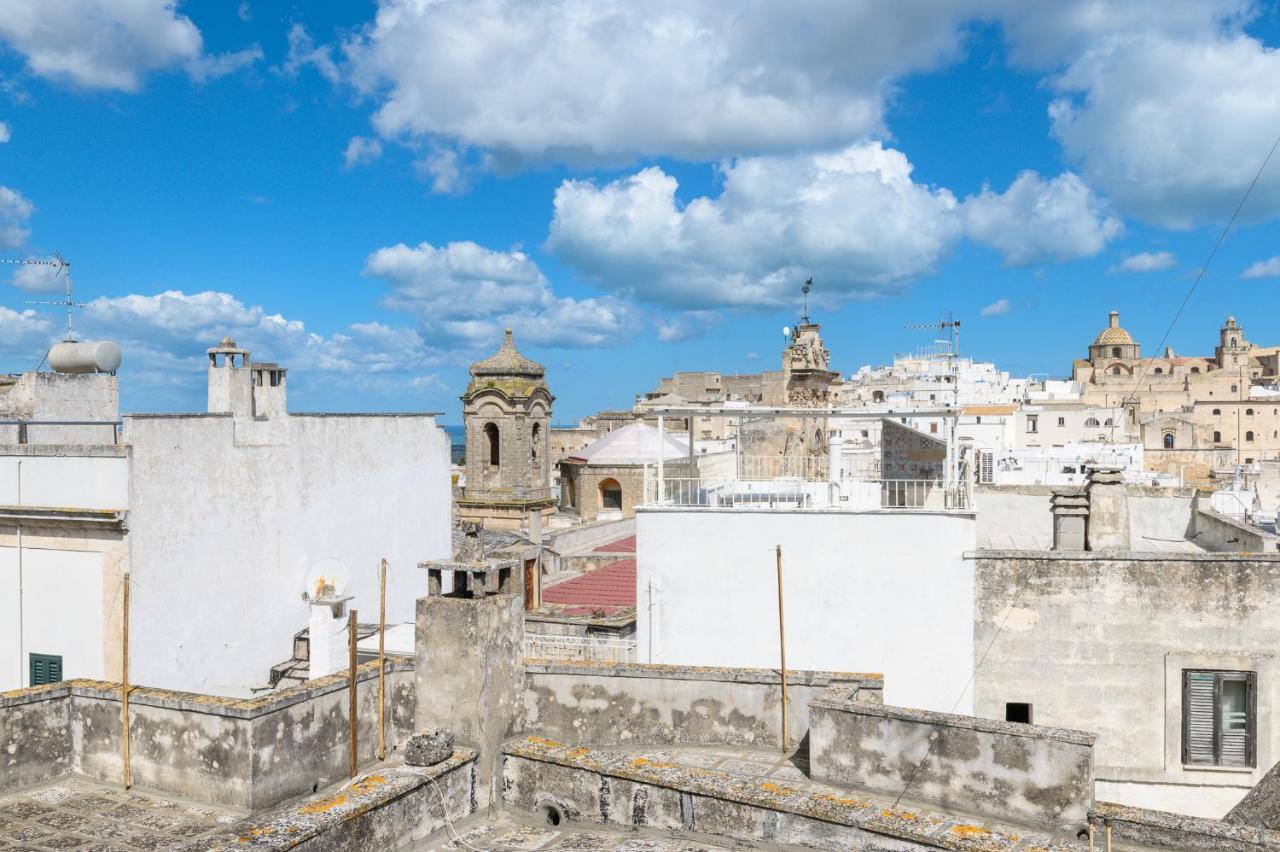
(24, 334)
(1037, 220)
(15, 211)
(211, 67)
(997, 308)
(108, 44)
(1144, 112)
(360, 150)
(466, 293)
(303, 52)
(1269, 268)
(854, 220)
(687, 325)
(1146, 261)
(4, 133)
(38, 279)
(589, 81)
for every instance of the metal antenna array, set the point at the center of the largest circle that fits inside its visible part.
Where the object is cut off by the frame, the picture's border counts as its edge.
(63, 267)
(808, 285)
(949, 325)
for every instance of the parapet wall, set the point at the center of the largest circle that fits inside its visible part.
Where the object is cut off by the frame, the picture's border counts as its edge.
(606, 704)
(247, 754)
(1025, 774)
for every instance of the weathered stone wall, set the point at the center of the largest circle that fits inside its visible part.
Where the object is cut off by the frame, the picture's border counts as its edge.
(1222, 534)
(1162, 830)
(35, 735)
(1027, 774)
(241, 753)
(634, 704)
(1101, 640)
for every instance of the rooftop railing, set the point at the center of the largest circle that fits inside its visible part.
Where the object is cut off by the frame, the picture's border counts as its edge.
(797, 493)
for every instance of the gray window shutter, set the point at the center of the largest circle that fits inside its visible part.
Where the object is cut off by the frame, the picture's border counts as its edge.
(1233, 720)
(1198, 694)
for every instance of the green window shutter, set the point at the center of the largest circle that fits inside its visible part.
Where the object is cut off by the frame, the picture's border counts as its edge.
(45, 668)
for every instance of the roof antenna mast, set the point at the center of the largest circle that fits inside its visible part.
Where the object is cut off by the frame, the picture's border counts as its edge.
(62, 266)
(808, 285)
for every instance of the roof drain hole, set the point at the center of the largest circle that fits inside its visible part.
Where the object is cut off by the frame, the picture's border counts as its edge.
(551, 813)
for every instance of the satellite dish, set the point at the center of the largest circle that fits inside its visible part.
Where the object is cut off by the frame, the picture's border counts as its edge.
(327, 579)
(786, 331)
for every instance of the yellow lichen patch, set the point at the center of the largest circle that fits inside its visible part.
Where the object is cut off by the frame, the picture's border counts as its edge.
(969, 831)
(367, 784)
(324, 806)
(580, 751)
(770, 787)
(542, 741)
(892, 814)
(640, 761)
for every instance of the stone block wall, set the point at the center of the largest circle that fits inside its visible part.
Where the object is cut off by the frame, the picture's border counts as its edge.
(639, 704)
(1025, 774)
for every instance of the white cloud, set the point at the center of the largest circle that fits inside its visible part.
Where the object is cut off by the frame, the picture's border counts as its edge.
(303, 51)
(24, 334)
(211, 67)
(107, 44)
(360, 150)
(467, 293)
(1036, 220)
(38, 279)
(854, 220)
(15, 211)
(445, 169)
(1146, 261)
(687, 325)
(244, 12)
(1173, 124)
(1269, 268)
(4, 132)
(997, 308)
(587, 81)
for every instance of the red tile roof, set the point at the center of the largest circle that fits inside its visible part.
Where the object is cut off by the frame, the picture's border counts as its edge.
(608, 588)
(622, 545)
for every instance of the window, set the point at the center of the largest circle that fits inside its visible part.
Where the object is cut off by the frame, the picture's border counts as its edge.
(1062, 421)
(933, 428)
(610, 494)
(1248, 412)
(1115, 371)
(535, 438)
(1168, 440)
(1033, 423)
(1158, 371)
(1248, 437)
(1217, 437)
(492, 443)
(978, 419)
(1217, 412)
(1218, 718)
(1092, 421)
(1109, 422)
(877, 396)
(45, 668)
(1115, 351)
(1017, 711)
(986, 467)
(1195, 369)
(1235, 388)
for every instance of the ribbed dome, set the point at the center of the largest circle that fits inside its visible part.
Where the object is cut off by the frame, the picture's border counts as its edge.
(1113, 334)
(508, 361)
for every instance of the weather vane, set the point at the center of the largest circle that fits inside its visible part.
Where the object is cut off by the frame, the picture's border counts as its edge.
(808, 285)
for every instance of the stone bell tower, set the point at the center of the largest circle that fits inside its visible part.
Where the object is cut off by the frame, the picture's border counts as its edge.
(506, 414)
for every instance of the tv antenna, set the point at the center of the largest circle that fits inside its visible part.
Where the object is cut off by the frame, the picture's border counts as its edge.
(949, 326)
(62, 266)
(808, 285)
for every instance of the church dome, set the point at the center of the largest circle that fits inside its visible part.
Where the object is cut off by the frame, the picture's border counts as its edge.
(507, 361)
(1113, 334)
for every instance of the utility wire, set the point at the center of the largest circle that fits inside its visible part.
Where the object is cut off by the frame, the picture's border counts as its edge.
(1199, 277)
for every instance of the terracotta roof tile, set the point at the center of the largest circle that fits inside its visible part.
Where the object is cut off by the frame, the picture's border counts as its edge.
(613, 585)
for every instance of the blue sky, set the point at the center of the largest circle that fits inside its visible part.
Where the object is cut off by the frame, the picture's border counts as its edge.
(368, 192)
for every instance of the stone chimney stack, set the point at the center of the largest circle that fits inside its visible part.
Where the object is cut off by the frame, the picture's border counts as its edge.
(1070, 509)
(1108, 524)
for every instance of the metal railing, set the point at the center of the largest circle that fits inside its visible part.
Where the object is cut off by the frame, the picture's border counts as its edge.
(542, 646)
(809, 468)
(783, 493)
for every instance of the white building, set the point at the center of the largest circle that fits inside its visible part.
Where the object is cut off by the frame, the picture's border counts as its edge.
(932, 379)
(218, 517)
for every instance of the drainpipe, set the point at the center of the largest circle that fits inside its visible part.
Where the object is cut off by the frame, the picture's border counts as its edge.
(22, 677)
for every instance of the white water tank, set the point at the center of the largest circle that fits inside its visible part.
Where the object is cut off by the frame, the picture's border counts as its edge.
(84, 356)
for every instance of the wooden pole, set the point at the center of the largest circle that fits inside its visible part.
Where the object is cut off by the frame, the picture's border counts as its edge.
(124, 685)
(352, 760)
(782, 650)
(382, 660)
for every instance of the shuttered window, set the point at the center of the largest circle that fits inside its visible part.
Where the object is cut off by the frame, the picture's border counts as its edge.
(45, 668)
(1218, 718)
(986, 463)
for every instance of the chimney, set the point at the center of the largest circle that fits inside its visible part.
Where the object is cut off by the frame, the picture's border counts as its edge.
(1115, 319)
(1070, 509)
(1108, 524)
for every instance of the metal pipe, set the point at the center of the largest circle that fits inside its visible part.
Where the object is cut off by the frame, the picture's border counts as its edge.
(124, 686)
(782, 648)
(352, 745)
(382, 660)
(661, 453)
(22, 650)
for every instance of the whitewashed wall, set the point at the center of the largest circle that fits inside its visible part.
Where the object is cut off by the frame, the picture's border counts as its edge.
(226, 521)
(884, 592)
(66, 478)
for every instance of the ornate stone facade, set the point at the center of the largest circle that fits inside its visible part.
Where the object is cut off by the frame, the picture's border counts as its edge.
(506, 413)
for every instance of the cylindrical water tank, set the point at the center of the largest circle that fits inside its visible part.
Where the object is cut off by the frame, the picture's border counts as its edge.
(84, 356)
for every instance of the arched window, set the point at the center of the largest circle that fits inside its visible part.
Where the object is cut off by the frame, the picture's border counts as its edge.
(1195, 369)
(1092, 421)
(1115, 371)
(535, 438)
(610, 494)
(1248, 412)
(1168, 440)
(1158, 371)
(1217, 411)
(570, 492)
(817, 438)
(493, 444)
(1115, 351)
(1234, 343)
(877, 396)
(1248, 437)
(1109, 422)
(1217, 437)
